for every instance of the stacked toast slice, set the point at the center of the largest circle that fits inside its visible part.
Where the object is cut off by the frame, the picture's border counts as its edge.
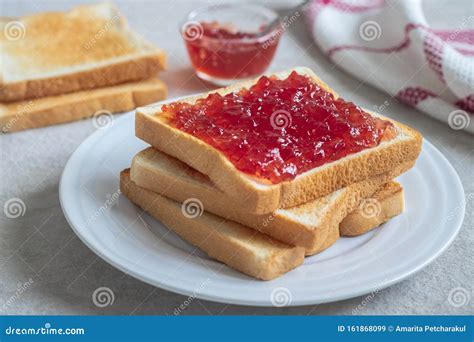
(65, 66)
(261, 228)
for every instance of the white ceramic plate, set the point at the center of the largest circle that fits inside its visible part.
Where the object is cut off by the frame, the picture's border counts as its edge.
(142, 247)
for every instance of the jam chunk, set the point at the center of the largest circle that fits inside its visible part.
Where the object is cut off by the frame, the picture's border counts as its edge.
(278, 129)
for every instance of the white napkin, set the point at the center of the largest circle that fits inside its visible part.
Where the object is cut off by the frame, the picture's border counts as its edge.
(389, 45)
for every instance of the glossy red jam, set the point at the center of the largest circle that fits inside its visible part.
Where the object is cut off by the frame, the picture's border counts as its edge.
(221, 52)
(278, 129)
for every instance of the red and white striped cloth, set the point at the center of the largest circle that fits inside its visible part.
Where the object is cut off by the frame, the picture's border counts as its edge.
(389, 45)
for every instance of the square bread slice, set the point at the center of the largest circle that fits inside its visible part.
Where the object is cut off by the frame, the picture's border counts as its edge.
(257, 195)
(306, 225)
(88, 47)
(240, 247)
(53, 110)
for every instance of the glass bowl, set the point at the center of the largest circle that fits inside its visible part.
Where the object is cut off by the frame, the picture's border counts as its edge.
(231, 42)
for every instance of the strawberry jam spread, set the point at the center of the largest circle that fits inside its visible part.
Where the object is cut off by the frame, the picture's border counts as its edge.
(278, 129)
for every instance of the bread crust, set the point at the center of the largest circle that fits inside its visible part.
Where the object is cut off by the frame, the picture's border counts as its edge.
(52, 110)
(240, 247)
(386, 203)
(346, 204)
(131, 69)
(306, 225)
(258, 196)
(390, 203)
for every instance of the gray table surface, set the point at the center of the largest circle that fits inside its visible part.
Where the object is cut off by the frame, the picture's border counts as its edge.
(64, 273)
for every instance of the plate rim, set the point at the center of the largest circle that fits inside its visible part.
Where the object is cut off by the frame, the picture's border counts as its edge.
(89, 142)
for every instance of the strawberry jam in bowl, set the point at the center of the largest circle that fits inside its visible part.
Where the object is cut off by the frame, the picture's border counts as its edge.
(231, 42)
(280, 128)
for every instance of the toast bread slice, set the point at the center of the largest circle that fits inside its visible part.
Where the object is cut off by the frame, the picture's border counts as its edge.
(256, 195)
(386, 203)
(306, 225)
(88, 47)
(240, 247)
(52, 110)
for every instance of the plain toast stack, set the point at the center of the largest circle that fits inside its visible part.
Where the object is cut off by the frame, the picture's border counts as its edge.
(63, 66)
